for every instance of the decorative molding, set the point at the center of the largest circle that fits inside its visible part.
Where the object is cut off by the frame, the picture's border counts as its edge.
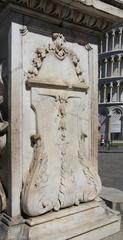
(65, 12)
(65, 196)
(59, 49)
(71, 186)
(88, 47)
(93, 186)
(34, 186)
(24, 30)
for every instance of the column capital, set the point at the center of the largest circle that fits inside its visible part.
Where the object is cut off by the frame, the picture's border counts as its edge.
(113, 32)
(112, 59)
(111, 84)
(119, 58)
(107, 35)
(105, 60)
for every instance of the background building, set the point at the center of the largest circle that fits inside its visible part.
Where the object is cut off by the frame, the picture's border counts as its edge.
(111, 85)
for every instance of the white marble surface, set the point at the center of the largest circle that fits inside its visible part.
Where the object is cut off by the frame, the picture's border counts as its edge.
(53, 121)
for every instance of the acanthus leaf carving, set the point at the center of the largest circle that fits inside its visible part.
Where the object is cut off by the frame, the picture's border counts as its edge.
(36, 181)
(35, 186)
(93, 186)
(71, 186)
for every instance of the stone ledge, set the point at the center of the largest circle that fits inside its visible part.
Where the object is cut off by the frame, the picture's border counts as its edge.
(95, 15)
(93, 222)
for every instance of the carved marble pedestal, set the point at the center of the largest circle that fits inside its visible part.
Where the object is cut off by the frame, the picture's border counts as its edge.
(49, 178)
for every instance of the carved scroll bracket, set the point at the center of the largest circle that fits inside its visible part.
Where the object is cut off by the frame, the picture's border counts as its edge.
(94, 185)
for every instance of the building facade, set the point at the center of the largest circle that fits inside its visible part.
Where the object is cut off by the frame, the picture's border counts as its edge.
(111, 85)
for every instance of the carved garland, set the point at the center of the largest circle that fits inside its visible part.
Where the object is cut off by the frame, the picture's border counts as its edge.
(57, 47)
(35, 187)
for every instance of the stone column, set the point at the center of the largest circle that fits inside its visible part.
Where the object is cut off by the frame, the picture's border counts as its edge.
(113, 38)
(100, 69)
(105, 93)
(106, 65)
(119, 65)
(118, 91)
(107, 41)
(120, 38)
(111, 87)
(101, 45)
(109, 127)
(121, 127)
(112, 66)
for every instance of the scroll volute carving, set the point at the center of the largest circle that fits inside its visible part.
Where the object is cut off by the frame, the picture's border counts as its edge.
(59, 176)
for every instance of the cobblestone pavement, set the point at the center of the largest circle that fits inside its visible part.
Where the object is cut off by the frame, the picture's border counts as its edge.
(111, 173)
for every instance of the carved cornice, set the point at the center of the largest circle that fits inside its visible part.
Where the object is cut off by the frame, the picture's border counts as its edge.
(116, 3)
(67, 12)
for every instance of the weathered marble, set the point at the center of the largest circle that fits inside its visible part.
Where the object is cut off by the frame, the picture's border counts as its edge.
(51, 120)
(60, 158)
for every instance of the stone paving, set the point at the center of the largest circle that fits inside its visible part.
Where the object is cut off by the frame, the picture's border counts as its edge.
(111, 173)
(111, 168)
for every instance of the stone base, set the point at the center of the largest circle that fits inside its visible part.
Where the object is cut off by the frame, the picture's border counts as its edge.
(85, 222)
(12, 229)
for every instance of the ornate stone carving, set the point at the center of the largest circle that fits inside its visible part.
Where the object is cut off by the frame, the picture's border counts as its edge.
(93, 185)
(61, 11)
(65, 188)
(33, 195)
(3, 131)
(24, 30)
(38, 185)
(57, 47)
(60, 174)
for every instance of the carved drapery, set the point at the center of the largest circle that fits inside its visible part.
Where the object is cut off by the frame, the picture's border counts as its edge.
(60, 174)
